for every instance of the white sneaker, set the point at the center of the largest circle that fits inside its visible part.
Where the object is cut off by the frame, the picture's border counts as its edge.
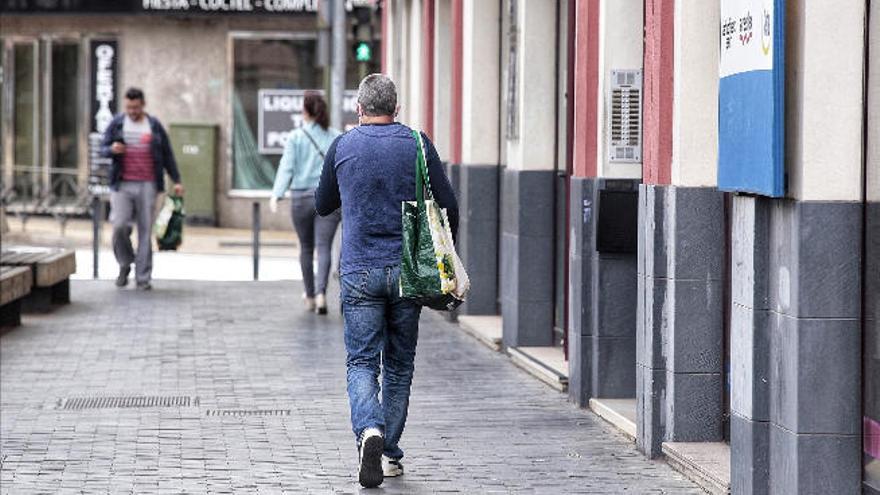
(309, 303)
(391, 468)
(370, 469)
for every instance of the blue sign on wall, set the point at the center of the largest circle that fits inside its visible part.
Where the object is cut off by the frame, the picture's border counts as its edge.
(751, 102)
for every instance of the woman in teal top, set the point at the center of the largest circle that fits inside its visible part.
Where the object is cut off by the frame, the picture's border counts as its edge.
(300, 171)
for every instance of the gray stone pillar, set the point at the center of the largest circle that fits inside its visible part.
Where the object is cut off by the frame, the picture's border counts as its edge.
(795, 347)
(680, 316)
(815, 347)
(478, 236)
(695, 304)
(453, 172)
(650, 302)
(602, 324)
(750, 347)
(871, 349)
(581, 246)
(527, 219)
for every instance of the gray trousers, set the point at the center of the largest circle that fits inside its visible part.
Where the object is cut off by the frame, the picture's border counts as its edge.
(134, 202)
(313, 231)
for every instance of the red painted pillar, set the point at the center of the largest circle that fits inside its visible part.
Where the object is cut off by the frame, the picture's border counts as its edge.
(658, 79)
(457, 79)
(428, 13)
(586, 86)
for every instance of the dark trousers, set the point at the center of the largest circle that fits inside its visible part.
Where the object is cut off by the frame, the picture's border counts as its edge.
(314, 232)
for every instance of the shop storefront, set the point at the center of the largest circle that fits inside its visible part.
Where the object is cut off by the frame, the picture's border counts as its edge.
(239, 67)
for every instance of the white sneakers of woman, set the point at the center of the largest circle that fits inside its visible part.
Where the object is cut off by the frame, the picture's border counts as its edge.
(321, 304)
(309, 303)
(391, 468)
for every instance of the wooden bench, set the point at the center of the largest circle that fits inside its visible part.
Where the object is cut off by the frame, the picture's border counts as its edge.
(51, 269)
(15, 284)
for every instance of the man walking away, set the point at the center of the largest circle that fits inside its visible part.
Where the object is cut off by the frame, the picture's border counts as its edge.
(141, 153)
(369, 171)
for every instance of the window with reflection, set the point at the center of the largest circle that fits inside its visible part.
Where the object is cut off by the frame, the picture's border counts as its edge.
(65, 119)
(25, 180)
(264, 63)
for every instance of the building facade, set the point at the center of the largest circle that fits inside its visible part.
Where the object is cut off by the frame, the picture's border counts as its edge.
(217, 72)
(583, 139)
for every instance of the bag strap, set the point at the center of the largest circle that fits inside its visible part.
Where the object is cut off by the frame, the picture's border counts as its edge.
(318, 148)
(423, 179)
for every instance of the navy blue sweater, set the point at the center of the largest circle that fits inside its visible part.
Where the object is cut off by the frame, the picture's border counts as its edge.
(163, 156)
(369, 171)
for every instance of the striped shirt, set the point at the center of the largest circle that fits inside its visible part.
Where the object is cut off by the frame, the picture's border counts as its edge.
(137, 162)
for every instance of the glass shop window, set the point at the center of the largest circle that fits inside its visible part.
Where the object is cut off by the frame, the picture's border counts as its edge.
(42, 79)
(264, 64)
(25, 148)
(65, 119)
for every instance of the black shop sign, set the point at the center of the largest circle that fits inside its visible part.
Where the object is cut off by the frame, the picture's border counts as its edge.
(104, 55)
(280, 111)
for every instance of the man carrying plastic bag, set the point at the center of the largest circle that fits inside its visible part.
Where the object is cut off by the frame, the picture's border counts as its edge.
(369, 171)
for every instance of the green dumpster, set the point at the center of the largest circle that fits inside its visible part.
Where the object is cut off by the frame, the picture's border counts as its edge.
(195, 148)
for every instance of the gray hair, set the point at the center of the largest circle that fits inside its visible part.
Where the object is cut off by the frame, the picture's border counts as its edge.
(377, 95)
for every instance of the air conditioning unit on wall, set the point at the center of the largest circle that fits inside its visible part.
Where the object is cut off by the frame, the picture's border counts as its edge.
(625, 119)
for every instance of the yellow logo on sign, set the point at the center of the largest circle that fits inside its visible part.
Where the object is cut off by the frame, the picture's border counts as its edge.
(767, 33)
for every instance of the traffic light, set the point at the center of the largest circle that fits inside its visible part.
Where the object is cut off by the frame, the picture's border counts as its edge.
(363, 52)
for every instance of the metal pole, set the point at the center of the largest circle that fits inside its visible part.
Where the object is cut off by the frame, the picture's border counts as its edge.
(325, 46)
(256, 245)
(97, 217)
(337, 78)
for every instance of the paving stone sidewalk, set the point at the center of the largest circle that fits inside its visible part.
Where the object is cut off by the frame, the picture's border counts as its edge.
(261, 405)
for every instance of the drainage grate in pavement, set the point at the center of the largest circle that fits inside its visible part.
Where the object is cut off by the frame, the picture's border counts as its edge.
(78, 403)
(247, 412)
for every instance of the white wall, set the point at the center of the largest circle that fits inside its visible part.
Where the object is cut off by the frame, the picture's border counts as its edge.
(442, 77)
(411, 103)
(396, 45)
(481, 73)
(874, 107)
(825, 55)
(389, 42)
(536, 87)
(414, 110)
(621, 47)
(695, 89)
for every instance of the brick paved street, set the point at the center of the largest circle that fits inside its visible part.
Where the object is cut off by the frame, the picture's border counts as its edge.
(477, 423)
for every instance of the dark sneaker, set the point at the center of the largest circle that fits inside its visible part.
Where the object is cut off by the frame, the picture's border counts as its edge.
(122, 279)
(391, 468)
(370, 470)
(144, 286)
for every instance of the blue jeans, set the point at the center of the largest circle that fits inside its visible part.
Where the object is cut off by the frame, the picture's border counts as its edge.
(380, 328)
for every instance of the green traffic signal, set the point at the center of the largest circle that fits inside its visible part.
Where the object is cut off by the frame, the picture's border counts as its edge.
(363, 52)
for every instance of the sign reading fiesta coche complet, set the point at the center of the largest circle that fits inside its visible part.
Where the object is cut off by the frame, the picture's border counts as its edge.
(232, 5)
(170, 6)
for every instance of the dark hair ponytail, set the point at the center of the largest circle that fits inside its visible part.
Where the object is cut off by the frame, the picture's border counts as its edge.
(316, 107)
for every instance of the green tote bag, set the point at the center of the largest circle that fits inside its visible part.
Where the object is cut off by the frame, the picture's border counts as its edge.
(431, 272)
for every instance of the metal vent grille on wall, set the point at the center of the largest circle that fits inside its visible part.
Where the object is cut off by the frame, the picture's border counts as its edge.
(625, 124)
